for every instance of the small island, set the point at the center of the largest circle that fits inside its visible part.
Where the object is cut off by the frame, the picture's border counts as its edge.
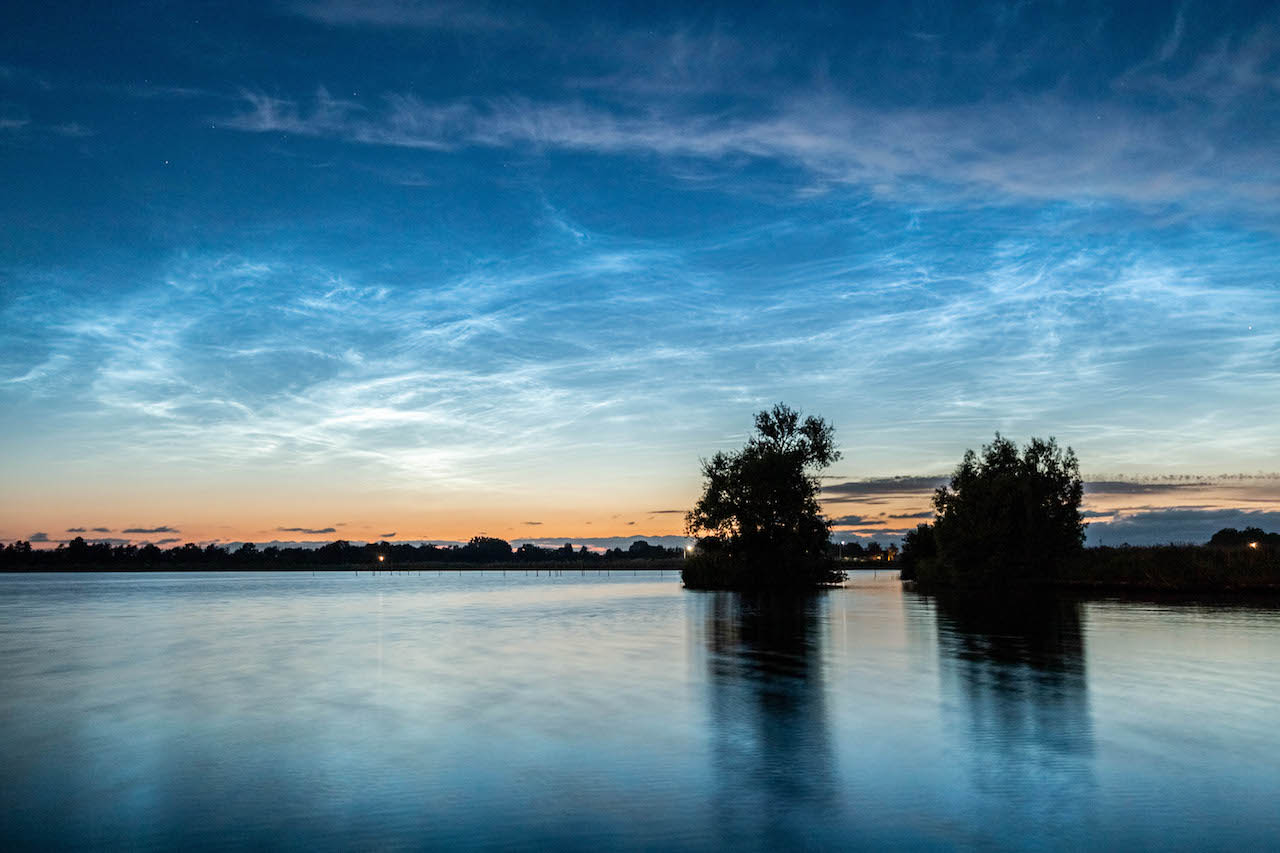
(1009, 519)
(758, 522)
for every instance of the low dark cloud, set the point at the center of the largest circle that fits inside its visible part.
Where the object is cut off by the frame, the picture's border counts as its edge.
(102, 530)
(168, 541)
(1134, 487)
(312, 531)
(861, 489)
(533, 523)
(631, 524)
(848, 520)
(927, 513)
(161, 529)
(390, 535)
(666, 512)
(1177, 524)
(75, 530)
(39, 536)
(885, 534)
(313, 543)
(883, 486)
(622, 542)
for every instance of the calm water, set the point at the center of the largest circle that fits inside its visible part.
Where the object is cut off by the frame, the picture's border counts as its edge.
(477, 711)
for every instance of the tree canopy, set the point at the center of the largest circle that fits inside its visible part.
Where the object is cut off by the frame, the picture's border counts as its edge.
(1230, 537)
(1005, 517)
(758, 519)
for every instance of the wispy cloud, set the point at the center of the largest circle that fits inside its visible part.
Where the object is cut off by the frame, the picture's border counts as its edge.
(72, 129)
(1035, 147)
(432, 381)
(413, 14)
(619, 247)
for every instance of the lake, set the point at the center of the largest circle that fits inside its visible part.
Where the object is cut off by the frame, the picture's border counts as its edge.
(483, 711)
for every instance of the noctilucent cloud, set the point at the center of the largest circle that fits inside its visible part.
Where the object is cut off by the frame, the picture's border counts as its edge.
(302, 270)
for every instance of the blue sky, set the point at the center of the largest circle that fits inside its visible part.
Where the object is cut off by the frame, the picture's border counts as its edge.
(439, 268)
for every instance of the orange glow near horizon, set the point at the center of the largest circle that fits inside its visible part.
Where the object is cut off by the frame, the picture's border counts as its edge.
(318, 517)
(454, 525)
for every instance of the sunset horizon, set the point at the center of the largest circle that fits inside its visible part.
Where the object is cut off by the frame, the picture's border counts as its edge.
(1120, 509)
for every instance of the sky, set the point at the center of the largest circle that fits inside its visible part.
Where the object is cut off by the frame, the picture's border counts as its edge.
(299, 271)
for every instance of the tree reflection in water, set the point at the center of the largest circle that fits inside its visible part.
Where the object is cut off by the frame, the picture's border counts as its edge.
(1014, 671)
(771, 739)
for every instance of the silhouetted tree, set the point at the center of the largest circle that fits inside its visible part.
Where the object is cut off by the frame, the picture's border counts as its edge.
(487, 549)
(918, 545)
(1008, 517)
(642, 550)
(758, 518)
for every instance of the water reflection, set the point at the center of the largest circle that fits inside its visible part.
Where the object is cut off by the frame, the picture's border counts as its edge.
(1013, 673)
(202, 712)
(771, 739)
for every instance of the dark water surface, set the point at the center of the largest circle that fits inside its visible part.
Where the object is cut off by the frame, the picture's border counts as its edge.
(481, 711)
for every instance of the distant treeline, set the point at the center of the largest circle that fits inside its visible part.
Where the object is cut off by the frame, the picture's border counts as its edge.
(1175, 568)
(856, 552)
(79, 555)
(1232, 561)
